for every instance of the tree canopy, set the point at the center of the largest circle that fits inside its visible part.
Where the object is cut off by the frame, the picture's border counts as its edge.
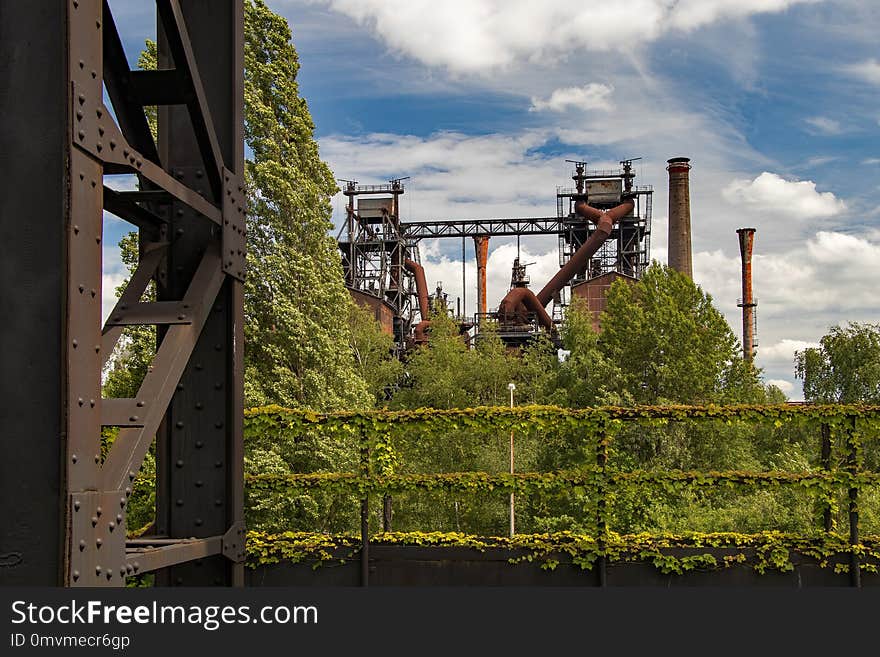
(844, 368)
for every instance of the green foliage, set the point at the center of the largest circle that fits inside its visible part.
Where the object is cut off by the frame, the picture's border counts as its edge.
(845, 368)
(297, 335)
(374, 357)
(670, 344)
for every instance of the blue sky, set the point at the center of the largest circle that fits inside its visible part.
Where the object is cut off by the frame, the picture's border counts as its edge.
(480, 102)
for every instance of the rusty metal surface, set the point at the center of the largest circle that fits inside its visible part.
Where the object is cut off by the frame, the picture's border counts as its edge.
(747, 302)
(481, 248)
(56, 58)
(680, 257)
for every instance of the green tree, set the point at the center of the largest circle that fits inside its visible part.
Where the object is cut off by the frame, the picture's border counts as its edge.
(845, 368)
(297, 332)
(669, 343)
(374, 356)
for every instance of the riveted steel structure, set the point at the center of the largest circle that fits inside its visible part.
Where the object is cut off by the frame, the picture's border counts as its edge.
(65, 494)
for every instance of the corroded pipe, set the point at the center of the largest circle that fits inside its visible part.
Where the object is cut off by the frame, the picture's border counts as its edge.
(517, 304)
(421, 286)
(578, 262)
(420, 331)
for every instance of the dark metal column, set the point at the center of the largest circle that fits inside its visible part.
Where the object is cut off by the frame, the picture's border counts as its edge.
(35, 218)
(199, 456)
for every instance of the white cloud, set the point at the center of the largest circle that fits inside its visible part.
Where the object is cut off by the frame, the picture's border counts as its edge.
(822, 125)
(867, 70)
(784, 350)
(592, 96)
(785, 386)
(477, 36)
(771, 193)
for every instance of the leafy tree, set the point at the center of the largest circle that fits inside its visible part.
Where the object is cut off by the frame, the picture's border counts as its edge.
(669, 343)
(374, 356)
(297, 334)
(845, 368)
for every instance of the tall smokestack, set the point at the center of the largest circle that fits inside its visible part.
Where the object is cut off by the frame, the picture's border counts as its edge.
(680, 216)
(747, 303)
(481, 246)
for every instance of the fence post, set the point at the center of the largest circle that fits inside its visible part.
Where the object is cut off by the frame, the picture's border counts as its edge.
(365, 516)
(827, 521)
(601, 524)
(853, 466)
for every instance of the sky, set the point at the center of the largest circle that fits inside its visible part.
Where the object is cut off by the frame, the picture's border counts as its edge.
(481, 102)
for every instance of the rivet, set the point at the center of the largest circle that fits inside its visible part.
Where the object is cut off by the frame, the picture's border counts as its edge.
(199, 483)
(94, 292)
(112, 526)
(179, 463)
(140, 404)
(179, 232)
(82, 64)
(92, 403)
(98, 25)
(198, 522)
(119, 517)
(100, 131)
(76, 505)
(128, 568)
(178, 581)
(218, 385)
(131, 475)
(136, 566)
(82, 99)
(179, 387)
(97, 348)
(109, 575)
(218, 502)
(79, 115)
(74, 343)
(100, 113)
(122, 572)
(179, 502)
(179, 424)
(199, 444)
(121, 502)
(80, 401)
(94, 521)
(82, 288)
(82, 546)
(127, 494)
(198, 406)
(124, 152)
(199, 173)
(97, 570)
(99, 542)
(99, 511)
(97, 458)
(75, 572)
(218, 464)
(73, 458)
(218, 425)
(199, 366)
(112, 144)
(182, 317)
(133, 418)
(81, 135)
(180, 213)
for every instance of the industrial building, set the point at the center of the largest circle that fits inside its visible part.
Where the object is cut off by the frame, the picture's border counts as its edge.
(603, 225)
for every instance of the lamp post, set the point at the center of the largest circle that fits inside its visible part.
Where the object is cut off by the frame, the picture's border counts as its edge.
(511, 387)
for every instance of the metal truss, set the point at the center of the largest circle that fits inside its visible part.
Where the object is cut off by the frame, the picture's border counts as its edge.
(69, 526)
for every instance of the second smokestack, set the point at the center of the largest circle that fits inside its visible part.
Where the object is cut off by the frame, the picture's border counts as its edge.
(680, 216)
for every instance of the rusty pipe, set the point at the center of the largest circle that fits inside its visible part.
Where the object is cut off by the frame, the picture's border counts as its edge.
(746, 243)
(516, 305)
(578, 262)
(481, 247)
(421, 287)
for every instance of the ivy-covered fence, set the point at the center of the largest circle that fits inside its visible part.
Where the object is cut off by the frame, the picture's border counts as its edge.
(604, 484)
